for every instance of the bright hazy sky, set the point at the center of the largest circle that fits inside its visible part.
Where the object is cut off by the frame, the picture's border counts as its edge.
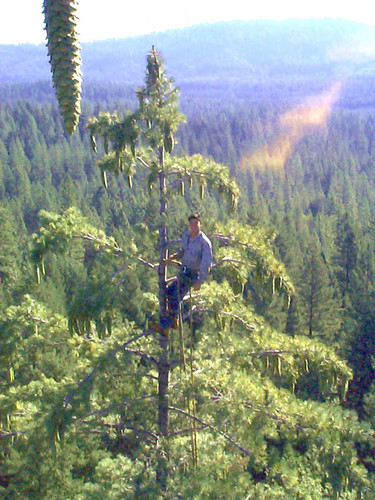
(21, 21)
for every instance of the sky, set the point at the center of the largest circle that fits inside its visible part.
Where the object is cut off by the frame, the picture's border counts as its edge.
(21, 21)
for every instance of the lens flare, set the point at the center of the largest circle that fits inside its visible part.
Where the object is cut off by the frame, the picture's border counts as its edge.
(295, 124)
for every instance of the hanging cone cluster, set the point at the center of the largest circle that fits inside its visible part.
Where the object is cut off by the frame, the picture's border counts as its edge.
(64, 53)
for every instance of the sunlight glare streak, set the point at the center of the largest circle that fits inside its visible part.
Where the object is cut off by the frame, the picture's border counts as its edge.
(296, 123)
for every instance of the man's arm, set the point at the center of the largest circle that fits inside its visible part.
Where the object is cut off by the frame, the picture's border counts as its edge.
(180, 252)
(177, 255)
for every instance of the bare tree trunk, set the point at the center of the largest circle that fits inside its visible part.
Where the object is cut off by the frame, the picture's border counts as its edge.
(163, 376)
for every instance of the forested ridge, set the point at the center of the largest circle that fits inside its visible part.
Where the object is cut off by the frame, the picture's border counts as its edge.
(258, 61)
(274, 394)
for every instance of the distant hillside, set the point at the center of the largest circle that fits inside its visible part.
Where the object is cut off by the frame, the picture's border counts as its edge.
(257, 59)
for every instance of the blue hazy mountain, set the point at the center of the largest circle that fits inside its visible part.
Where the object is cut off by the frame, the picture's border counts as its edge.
(261, 57)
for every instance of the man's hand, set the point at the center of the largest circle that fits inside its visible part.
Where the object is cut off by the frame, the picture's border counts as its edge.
(196, 286)
(171, 260)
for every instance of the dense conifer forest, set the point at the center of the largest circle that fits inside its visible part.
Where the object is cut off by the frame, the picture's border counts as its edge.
(271, 378)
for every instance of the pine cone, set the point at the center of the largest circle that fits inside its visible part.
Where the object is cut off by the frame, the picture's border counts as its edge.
(64, 53)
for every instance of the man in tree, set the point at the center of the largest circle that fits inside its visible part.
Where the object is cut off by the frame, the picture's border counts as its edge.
(196, 254)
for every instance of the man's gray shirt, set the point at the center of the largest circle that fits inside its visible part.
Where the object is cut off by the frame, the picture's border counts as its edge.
(197, 254)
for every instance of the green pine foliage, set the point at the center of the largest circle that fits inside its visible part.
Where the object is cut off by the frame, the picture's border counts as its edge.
(270, 389)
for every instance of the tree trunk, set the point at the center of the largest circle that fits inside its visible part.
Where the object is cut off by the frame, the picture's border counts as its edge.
(163, 376)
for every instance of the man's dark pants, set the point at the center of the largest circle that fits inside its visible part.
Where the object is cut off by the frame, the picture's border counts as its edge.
(176, 291)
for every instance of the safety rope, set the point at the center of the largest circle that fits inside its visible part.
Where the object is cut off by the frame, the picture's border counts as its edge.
(191, 403)
(194, 449)
(180, 329)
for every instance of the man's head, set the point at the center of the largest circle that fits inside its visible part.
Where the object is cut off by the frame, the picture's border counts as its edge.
(194, 224)
(195, 216)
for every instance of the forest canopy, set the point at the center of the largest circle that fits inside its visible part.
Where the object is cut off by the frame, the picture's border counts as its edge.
(270, 379)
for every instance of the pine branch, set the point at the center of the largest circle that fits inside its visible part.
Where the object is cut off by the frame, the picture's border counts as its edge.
(272, 352)
(240, 320)
(121, 426)
(91, 237)
(188, 430)
(249, 327)
(228, 239)
(215, 429)
(144, 163)
(124, 266)
(228, 259)
(93, 373)
(173, 242)
(104, 411)
(279, 420)
(4, 434)
(39, 320)
(144, 356)
(148, 263)
(119, 270)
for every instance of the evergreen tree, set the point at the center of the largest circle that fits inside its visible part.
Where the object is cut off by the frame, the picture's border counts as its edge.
(347, 252)
(10, 258)
(320, 311)
(157, 120)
